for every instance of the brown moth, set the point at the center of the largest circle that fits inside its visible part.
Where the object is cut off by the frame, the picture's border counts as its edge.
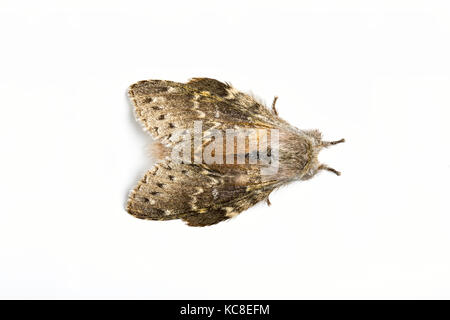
(205, 193)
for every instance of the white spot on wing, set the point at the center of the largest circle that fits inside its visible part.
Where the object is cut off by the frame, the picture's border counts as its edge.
(158, 99)
(201, 114)
(230, 213)
(196, 103)
(199, 191)
(232, 92)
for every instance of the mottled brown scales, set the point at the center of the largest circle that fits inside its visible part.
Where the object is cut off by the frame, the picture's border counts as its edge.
(202, 194)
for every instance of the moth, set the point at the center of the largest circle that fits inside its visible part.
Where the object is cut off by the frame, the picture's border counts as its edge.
(204, 193)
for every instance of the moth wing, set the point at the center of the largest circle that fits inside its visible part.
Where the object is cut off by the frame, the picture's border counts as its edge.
(240, 108)
(159, 104)
(165, 106)
(195, 193)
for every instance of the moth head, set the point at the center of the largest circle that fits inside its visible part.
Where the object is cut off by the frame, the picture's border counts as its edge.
(316, 145)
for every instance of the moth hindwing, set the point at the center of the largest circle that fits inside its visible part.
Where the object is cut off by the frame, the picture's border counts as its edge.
(224, 151)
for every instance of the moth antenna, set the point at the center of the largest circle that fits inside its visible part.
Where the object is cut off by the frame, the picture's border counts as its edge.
(331, 143)
(325, 167)
(273, 105)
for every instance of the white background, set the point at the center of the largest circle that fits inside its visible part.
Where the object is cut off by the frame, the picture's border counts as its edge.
(374, 72)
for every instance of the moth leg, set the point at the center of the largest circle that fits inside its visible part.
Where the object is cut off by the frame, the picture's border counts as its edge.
(325, 167)
(331, 143)
(268, 202)
(273, 105)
